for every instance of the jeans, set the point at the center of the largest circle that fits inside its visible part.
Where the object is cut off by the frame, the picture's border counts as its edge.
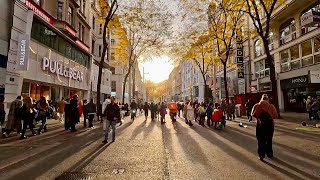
(113, 126)
(315, 115)
(91, 117)
(31, 126)
(85, 117)
(43, 125)
(249, 115)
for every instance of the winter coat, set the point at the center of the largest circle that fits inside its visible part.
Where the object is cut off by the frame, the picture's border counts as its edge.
(105, 104)
(217, 115)
(2, 113)
(249, 106)
(74, 112)
(264, 106)
(153, 107)
(209, 111)
(27, 115)
(172, 106)
(112, 111)
(308, 104)
(190, 112)
(14, 119)
(61, 105)
(146, 107)
(315, 105)
(223, 106)
(91, 108)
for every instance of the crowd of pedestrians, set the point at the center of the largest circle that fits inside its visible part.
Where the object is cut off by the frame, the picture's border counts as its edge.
(313, 107)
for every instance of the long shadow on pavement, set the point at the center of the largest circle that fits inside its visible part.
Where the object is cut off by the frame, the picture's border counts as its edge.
(236, 137)
(77, 168)
(230, 150)
(138, 129)
(54, 156)
(291, 149)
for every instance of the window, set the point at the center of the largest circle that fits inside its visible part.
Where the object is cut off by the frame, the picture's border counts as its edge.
(316, 50)
(37, 2)
(100, 51)
(287, 31)
(46, 36)
(92, 47)
(284, 59)
(270, 41)
(60, 10)
(100, 29)
(258, 48)
(93, 23)
(262, 69)
(70, 16)
(113, 86)
(113, 56)
(113, 41)
(306, 48)
(82, 32)
(290, 58)
(305, 30)
(294, 52)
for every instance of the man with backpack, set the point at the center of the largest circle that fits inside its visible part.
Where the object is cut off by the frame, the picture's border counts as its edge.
(265, 114)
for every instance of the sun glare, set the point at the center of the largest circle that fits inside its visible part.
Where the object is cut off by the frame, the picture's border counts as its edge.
(157, 69)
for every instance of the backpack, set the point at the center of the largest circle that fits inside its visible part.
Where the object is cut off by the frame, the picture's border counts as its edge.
(265, 119)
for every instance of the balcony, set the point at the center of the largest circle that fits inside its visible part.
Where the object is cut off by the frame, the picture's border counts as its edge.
(66, 28)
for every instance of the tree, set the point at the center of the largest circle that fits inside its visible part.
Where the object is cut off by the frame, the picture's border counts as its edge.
(260, 12)
(201, 54)
(107, 12)
(223, 27)
(146, 25)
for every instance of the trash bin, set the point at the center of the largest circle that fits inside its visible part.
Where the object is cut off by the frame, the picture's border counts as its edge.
(238, 110)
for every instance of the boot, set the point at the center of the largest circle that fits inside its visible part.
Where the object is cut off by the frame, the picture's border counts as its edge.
(190, 123)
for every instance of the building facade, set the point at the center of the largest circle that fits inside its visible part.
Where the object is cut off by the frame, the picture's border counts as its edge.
(294, 42)
(49, 53)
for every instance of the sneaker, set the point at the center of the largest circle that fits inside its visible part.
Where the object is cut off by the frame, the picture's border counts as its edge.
(23, 137)
(105, 141)
(5, 135)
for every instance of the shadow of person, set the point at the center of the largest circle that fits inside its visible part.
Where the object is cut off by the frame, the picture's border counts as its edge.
(293, 168)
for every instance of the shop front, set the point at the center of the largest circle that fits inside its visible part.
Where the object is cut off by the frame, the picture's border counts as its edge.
(296, 91)
(56, 67)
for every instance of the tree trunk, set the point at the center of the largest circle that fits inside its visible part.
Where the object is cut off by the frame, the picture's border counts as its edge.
(100, 73)
(273, 78)
(225, 82)
(125, 81)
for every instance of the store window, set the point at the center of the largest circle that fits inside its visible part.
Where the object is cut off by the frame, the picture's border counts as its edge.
(49, 38)
(287, 31)
(39, 90)
(258, 48)
(25, 89)
(316, 49)
(315, 8)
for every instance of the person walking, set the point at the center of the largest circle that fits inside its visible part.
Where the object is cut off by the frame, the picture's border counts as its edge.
(146, 108)
(85, 113)
(209, 112)
(202, 114)
(315, 107)
(2, 113)
(309, 103)
(67, 115)
(249, 107)
(265, 113)
(232, 109)
(153, 109)
(185, 112)
(74, 113)
(111, 116)
(190, 113)
(27, 114)
(163, 112)
(61, 106)
(223, 107)
(91, 110)
(43, 108)
(14, 118)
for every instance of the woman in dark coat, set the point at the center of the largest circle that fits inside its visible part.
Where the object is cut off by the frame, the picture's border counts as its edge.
(27, 114)
(74, 113)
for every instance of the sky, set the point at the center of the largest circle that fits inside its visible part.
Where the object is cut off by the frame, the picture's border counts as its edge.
(157, 69)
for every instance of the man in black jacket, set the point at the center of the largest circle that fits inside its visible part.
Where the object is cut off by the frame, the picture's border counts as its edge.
(111, 115)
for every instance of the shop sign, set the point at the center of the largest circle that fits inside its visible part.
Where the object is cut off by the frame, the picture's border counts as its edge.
(59, 69)
(310, 18)
(23, 52)
(295, 82)
(314, 76)
(37, 10)
(113, 94)
(241, 86)
(239, 56)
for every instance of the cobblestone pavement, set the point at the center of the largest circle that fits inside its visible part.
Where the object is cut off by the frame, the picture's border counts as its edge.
(149, 150)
